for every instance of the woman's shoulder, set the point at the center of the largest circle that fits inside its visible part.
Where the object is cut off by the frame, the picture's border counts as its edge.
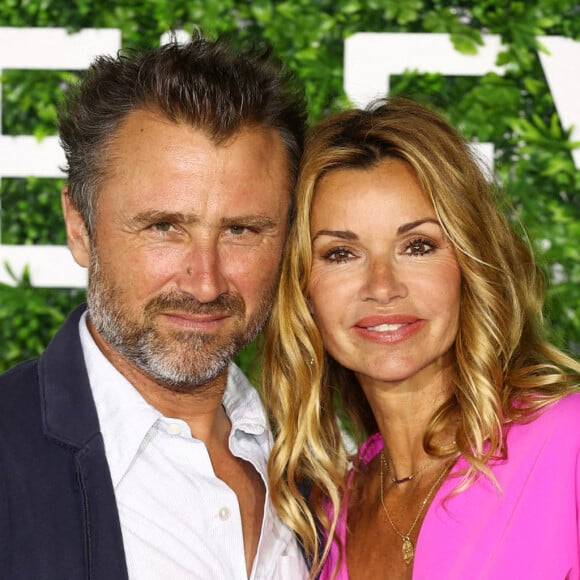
(564, 410)
(559, 420)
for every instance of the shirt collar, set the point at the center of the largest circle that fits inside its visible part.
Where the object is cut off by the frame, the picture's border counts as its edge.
(126, 418)
(243, 405)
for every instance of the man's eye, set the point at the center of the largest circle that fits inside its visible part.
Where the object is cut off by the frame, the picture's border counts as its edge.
(238, 230)
(162, 226)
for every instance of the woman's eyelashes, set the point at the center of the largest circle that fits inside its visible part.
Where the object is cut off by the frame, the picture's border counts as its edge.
(419, 246)
(338, 255)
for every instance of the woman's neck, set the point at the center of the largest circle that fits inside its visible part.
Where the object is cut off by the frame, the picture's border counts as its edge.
(403, 412)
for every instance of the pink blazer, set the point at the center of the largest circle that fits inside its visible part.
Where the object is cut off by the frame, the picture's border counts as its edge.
(528, 530)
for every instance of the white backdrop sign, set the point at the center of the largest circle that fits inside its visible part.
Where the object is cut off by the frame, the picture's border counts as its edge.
(370, 59)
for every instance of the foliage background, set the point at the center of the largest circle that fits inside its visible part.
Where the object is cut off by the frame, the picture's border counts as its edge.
(515, 112)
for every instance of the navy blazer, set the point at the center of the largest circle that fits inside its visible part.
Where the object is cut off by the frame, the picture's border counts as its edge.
(58, 514)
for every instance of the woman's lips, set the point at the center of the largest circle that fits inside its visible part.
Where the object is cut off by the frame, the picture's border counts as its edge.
(388, 329)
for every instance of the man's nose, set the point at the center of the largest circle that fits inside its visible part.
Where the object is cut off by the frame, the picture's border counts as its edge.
(202, 273)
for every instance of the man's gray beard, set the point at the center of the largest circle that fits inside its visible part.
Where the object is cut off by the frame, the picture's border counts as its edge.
(179, 361)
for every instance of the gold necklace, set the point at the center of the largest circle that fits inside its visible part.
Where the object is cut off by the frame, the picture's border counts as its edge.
(402, 479)
(408, 550)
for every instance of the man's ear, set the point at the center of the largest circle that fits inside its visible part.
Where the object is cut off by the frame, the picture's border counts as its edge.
(76, 231)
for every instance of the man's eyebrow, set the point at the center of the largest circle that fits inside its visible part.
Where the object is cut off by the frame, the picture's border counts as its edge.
(252, 221)
(151, 217)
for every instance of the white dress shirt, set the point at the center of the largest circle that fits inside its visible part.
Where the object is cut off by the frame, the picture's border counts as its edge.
(179, 521)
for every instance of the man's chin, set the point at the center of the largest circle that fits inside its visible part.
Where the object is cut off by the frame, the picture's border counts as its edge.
(184, 362)
(188, 380)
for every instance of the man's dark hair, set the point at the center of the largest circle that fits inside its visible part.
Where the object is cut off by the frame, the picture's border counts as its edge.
(205, 83)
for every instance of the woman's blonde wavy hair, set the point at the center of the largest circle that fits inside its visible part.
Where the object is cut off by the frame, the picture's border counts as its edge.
(505, 370)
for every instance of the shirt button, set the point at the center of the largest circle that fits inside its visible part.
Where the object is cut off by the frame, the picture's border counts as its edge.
(224, 514)
(174, 429)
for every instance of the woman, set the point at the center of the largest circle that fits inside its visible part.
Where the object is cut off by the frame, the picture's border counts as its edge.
(409, 308)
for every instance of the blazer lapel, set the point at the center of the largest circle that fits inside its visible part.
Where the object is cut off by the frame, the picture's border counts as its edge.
(70, 417)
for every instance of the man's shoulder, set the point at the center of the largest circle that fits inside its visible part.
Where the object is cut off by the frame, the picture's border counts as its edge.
(18, 386)
(19, 371)
(21, 387)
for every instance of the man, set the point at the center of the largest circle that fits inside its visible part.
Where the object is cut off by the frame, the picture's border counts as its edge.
(134, 447)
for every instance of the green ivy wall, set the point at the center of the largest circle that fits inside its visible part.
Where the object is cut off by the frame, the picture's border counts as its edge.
(515, 112)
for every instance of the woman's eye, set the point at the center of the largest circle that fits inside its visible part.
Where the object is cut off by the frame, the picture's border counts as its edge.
(338, 255)
(419, 247)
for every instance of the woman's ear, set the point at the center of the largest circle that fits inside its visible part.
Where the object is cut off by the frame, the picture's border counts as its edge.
(76, 231)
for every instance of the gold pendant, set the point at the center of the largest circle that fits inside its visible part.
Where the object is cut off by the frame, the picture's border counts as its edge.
(408, 551)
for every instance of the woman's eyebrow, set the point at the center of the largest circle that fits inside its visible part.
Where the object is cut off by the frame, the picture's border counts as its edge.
(411, 225)
(343, 234)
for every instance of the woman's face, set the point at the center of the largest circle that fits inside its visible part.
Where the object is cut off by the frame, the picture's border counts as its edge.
(385, 283)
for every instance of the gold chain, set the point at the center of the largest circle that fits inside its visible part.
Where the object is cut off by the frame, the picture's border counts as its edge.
(398, 481)
(408, 550)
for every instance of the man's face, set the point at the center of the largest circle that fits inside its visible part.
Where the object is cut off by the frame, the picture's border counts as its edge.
(184, 257)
